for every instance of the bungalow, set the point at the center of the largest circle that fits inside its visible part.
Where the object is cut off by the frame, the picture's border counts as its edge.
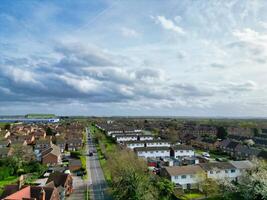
(185, 177)
(182, 151)
(62, 181)
(51, 156)
(220, 170)
(152, 152)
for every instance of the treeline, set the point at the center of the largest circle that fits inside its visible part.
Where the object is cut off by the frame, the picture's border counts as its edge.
(14, 166)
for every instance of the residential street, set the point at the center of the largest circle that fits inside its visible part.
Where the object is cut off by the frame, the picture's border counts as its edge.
(98, 185)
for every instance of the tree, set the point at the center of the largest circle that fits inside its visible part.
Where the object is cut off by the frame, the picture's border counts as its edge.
(164, 186)
(253, 184)
(50, 132)
(221, 133)
(129, 176)
(208, 186)
(7, 126)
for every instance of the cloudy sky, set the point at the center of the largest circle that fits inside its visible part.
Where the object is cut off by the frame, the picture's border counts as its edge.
(128, 57)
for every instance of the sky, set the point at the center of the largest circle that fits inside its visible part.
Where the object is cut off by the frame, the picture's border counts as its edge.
(128, 57)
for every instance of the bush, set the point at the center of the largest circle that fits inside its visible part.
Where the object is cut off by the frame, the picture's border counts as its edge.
(75, 154)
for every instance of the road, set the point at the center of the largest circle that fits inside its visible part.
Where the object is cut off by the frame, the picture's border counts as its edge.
(97, 182)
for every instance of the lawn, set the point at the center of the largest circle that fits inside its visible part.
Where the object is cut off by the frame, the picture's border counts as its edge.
(9, 180)
(193, 195)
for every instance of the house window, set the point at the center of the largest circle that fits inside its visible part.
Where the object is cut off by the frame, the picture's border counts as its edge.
(181, 151)
(192, 176)
(211, 172)
(217, 172)
(162, 151)
(226, 171)
(232, 170)
(176, 177)
(183, 176)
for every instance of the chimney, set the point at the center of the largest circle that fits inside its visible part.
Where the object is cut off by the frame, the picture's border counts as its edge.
(21, 181)
(42, 194)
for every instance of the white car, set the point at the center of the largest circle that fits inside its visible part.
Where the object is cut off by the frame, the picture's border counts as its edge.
(205, 154)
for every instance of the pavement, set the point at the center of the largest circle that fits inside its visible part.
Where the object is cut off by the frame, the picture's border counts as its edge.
(97, 182)
(79, 188)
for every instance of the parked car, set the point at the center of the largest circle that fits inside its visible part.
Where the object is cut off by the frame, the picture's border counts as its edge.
(205, 154)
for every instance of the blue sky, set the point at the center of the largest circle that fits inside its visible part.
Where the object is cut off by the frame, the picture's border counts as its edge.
(127, 57)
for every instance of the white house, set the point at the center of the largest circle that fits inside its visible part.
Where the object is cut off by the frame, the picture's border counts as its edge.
(126, 137)
(158, 143)
(185, 177)
(146, 137)
(182, 151)
(241, 166)
(135, 144)
(151, 152)
(220, 170)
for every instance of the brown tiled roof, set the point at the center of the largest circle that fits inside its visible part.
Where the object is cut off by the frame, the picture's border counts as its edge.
(183, 170)
(58, 178)
(36, 190)
(54, 149)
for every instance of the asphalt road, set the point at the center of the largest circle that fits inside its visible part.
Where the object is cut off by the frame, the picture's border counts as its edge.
(97, 183)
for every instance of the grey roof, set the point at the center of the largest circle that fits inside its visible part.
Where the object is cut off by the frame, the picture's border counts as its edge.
(182, 147)
(244, 164)
(145, 141)
(183, 170)
(151, 148)
(216, 165)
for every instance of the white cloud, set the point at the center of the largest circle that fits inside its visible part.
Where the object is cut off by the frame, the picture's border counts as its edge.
(169, 24)
(130, 33)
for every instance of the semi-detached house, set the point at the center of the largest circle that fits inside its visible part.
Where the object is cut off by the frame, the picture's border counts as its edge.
(186, 177)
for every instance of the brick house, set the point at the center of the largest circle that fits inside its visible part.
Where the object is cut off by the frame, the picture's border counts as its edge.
(34, 193)
(51, 156)
(62, 181)
(74, 144)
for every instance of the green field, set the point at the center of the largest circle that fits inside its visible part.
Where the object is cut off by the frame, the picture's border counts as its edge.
(40, 116)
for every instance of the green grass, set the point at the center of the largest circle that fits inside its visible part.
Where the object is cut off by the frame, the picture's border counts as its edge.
(110, 147)
(9, 180)
(192, 195)
(2, 124)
